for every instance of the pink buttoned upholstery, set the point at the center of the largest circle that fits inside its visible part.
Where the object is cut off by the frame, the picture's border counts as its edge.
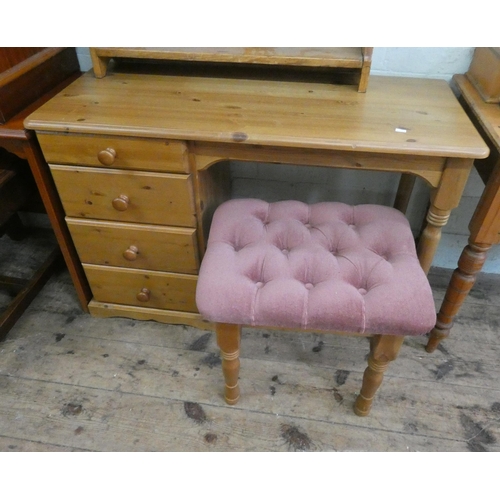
(327, 266)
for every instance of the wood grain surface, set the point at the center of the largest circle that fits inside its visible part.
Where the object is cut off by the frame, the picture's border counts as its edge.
(73, 382)
(398, 115)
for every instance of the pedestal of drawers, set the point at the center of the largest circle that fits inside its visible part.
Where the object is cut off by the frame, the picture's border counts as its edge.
(130, 209)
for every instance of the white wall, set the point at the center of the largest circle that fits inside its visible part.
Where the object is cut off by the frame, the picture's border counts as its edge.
(422, 62)
(316, 184)
(427, 62)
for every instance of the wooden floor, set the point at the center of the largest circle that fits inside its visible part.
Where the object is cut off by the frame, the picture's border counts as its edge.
(70, 382)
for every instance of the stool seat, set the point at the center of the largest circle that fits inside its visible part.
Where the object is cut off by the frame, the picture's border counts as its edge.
(327, 266)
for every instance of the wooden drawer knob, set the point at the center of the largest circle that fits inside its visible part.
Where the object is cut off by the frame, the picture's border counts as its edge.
(121, 203)
(107, 156)
(131, 253)
(143, 295)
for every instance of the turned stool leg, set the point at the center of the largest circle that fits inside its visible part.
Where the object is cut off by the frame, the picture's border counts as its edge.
(228, 339)
(470, 263)
(383, 349)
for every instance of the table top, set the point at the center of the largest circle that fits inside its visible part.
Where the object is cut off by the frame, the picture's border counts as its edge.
(397, 115)
(488, 114)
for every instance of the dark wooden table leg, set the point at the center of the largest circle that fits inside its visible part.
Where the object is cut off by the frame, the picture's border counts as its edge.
(470, 263)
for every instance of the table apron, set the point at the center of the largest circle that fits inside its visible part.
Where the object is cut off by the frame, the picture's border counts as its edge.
(429, 168)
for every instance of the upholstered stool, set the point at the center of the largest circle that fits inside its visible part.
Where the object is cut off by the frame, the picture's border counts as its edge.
(324, 267)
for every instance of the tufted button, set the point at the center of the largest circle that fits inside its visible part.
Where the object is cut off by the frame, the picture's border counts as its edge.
(285, 251)
(308, 226)
(259, 284)
(309, 286)
(362, 291)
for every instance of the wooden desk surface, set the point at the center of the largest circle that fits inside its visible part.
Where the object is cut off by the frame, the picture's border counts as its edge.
(271, 113)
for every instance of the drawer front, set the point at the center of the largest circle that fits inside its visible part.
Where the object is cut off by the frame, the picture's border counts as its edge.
(115, 152)
(139, 246)
(142, 288)
(125, 196)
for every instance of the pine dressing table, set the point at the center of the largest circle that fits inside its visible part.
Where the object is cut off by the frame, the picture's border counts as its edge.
(140, 163)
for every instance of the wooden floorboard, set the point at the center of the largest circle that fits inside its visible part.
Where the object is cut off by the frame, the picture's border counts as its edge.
(70, 382)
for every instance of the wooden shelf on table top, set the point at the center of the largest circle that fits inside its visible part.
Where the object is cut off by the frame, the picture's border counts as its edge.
(356, 59)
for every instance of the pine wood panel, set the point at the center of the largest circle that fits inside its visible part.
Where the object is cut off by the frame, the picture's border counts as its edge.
(131, 153)
(154, 198)
(345, 57)
(429, 168)
(309, 115)
(352, 61)
(122, 286)
(169, 316)
(160, 248)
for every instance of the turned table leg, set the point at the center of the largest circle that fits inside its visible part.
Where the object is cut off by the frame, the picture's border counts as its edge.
(228, 339)
(431, 235)
(383, 349)
(444, 199)
(470, 263)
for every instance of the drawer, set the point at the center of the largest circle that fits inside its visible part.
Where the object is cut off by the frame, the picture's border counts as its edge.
(139, 246)
(125, 195)
(142, 288)
(116, 152)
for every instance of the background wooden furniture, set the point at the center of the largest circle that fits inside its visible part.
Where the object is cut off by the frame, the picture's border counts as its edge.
(353, 60)
(99, 137)
(485, 223)
(26, 74)
(484, 73)
(22, 165)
